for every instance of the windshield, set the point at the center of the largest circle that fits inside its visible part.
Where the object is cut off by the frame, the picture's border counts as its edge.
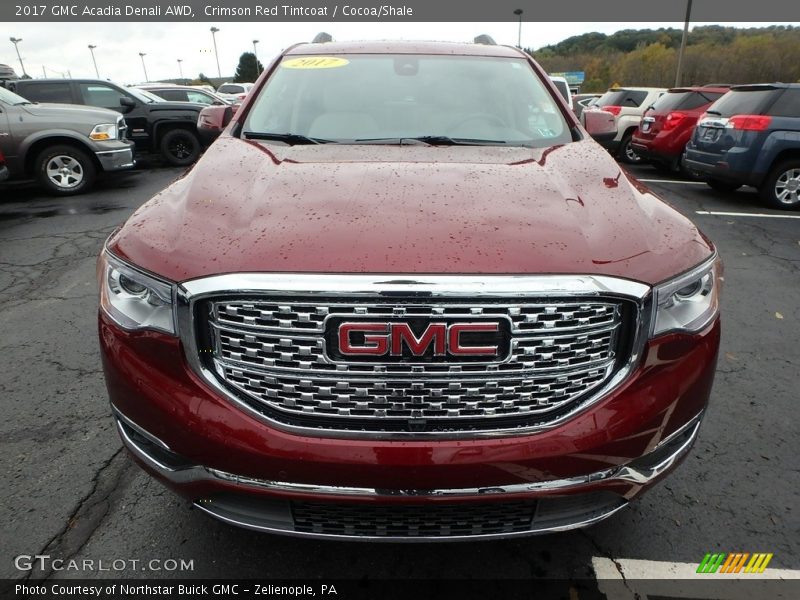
(150, 96)
(11, 98)
(230, 89)
(742, 102)
(142, 95)
(685, 100)
(370, 98)
(629, 98)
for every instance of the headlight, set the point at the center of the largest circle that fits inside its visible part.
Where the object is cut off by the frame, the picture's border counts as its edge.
(104, 131)
(689, 302)
(134, 300)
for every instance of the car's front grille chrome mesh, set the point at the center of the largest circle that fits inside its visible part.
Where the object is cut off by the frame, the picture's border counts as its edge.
(272, 353)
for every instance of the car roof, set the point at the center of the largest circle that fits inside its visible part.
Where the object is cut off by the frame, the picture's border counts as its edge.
(73, 80)
(405, 47)
(698, 88)
(636, 89)
(766, 86)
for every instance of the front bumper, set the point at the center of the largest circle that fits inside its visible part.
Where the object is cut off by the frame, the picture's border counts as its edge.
(117, 158)
(245, 471)
(562, 504)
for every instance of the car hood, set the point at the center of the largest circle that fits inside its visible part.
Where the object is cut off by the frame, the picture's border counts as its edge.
(72, 111)
(253, 207)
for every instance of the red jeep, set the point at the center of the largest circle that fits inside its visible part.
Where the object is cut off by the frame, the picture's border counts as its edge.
(405, 295)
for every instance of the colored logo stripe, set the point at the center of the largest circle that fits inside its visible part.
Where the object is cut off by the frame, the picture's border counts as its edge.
(734, 562)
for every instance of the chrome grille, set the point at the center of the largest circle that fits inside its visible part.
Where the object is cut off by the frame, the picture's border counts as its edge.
(272, 353)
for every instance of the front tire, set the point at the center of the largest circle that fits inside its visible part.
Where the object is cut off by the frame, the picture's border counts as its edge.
(628, 154)
(65, 170)
(781, 188)
(180, 147)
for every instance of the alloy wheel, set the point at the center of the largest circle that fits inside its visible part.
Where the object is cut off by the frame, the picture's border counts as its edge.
(64, 171)
(787, 187)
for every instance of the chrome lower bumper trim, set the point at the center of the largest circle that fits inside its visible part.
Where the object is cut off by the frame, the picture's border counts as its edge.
(641, 471)
(156, 454)
(217, 514)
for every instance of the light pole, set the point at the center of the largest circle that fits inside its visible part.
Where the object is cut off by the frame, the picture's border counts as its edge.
(678, 72)
(180, 67)
(518, 12)
(91, 49)
(16, 41)
(142, 55)
(214, 31)
(256, 55)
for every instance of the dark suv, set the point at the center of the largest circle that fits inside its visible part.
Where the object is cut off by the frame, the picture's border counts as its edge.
(168, 129)
(751, 136)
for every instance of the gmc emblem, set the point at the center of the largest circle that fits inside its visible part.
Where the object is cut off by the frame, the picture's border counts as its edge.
(418, 340)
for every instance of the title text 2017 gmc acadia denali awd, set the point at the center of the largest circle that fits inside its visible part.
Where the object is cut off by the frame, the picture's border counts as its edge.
(405, 296)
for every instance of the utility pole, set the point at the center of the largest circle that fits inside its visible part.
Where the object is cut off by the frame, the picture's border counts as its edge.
(146, 78)
(96, 72)
(256, 55)
(518, 12)
(214, 31)
(180, 67)
(678, 73)
(16, 41)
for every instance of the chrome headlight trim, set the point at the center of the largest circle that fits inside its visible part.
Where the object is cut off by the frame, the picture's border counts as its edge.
(133, 299)
(690, 301)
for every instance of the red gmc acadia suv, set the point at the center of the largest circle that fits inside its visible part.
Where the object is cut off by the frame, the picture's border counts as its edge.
(404, 295)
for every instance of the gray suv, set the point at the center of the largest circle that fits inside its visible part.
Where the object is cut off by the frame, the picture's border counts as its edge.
(63, 147)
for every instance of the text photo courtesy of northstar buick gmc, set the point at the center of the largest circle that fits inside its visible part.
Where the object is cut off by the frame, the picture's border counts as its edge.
(405, 296)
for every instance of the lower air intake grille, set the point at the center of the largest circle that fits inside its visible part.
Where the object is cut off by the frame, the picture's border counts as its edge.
(413, 521)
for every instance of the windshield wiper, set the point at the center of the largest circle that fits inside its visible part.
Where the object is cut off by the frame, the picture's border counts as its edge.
(289, 138)
(714, 112)
(443, 140)
(431, 140)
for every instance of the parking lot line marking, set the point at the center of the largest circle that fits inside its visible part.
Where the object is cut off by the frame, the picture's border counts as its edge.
(671, 181)
(644, 578)
(742, 214)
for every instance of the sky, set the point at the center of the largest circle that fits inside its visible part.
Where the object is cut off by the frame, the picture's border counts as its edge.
(61, 49)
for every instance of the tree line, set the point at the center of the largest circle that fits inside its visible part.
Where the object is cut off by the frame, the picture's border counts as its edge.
(647, 57)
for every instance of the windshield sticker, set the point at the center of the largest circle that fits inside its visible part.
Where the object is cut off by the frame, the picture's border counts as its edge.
(315, 62)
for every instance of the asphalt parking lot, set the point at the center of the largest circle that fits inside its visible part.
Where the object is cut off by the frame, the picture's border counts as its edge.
(71, 492)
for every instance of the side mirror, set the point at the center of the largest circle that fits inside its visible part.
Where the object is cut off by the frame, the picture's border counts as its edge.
(127, 103)
(600, 124)
(213, 119)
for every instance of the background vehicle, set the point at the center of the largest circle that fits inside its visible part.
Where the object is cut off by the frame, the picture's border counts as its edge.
(212, 121)
(168, 129)
(62, 147)
(3, 168)
(184, 93)
(234, 91)
(751, 136)
(666, 127)
(583, 101)
(563, 88)
(627, 105)
(7, 73)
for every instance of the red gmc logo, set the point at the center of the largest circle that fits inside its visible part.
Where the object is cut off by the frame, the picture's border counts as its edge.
(398, 339)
